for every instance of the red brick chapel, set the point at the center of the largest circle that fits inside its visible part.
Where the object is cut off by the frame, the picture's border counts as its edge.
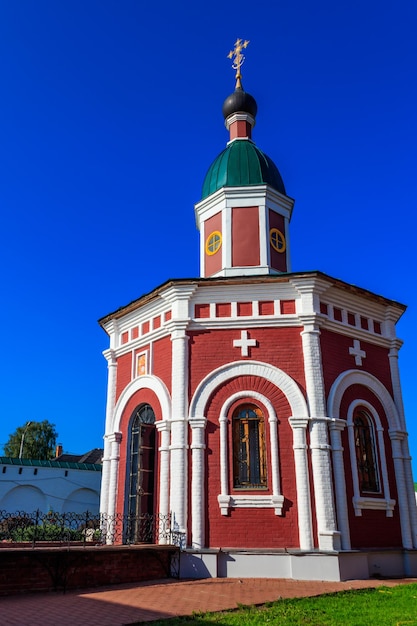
(259, 407)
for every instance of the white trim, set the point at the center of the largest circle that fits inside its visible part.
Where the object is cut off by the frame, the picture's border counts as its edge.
(239, 117)
(264, 260)
(336, 427)
(408, 474)
(226, 500)
(370, 501)
(302, 480)
(143, 382)
(356, 377)
(224, 373)
(373, 504)
(145, 353)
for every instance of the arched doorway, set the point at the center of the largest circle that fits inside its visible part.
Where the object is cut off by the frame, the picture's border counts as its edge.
(141, 477)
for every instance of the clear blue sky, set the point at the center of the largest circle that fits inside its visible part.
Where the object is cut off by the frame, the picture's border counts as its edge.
(110, 115)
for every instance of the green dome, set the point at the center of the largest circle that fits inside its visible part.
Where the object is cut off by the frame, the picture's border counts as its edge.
(242, 164)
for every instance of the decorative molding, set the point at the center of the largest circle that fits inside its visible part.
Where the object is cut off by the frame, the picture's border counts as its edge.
(369, 502)
(239, 117)
(224, 373)
(244, 343)
(250, 501)
(143, 382)
(198, 422)
(225, 500)
(356, 351)
(375, 504)
(115, 437)
(356, 377)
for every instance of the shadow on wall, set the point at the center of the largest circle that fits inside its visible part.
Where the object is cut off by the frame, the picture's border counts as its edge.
(29, 498)
(82, 500)
(24, 498)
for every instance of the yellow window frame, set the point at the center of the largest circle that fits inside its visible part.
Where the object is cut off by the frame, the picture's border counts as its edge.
(277, 240)
(213, 242)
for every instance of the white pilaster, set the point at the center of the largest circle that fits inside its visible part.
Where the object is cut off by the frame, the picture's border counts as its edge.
(396, 440)
(179, 444)
(273, 424)
(111, 401)
(179, 298)
(408, 474)
(299, 427)
(336, 427)
(163, 428)
(198, 512)
(114, 440)
(329, 537)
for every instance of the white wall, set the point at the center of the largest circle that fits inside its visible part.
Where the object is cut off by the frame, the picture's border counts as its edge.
(29, 488)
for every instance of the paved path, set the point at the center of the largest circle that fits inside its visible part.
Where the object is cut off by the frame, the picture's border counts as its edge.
(144, 602)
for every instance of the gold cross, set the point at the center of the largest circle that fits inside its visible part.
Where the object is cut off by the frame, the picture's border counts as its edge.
(238, 56)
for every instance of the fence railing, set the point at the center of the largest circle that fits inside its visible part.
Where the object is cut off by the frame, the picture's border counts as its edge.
(86, 528)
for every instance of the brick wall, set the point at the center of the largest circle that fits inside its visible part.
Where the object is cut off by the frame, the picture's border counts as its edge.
(124, 373)
(26, 570)
(251, 528)
(372, 528)
(162, 360)
(336, 359)
(280, 347)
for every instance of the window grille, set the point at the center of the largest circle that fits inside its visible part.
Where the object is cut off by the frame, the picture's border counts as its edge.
(365, 452)
(141, 468)
(249, 457)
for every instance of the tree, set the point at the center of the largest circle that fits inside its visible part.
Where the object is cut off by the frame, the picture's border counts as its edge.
(33, 440)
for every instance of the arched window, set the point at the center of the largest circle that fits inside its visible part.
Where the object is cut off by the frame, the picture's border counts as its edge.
(365, 452)
(141, 472)
(249, 458)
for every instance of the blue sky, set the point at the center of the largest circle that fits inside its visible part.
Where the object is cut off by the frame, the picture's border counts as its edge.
(110, 115)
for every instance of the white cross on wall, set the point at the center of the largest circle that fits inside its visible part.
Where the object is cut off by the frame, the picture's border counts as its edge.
(244, 343)
(357, 352)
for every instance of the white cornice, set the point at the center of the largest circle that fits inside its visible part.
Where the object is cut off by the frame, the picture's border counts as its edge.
(343, 295)
(239, 117)
(143, 314)
(224, 323)
(360, 303)
(289, 321)
(245, 292)
(355, 332)
(257, 270)
(243, 196)
(178, 292)
(307, 283)
(141, 342)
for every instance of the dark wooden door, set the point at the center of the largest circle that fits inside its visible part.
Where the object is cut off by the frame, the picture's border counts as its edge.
(142, 476)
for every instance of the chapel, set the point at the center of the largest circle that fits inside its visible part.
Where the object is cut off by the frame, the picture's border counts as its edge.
(260, 408)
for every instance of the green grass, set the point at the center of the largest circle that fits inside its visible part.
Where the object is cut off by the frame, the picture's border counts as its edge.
(383, 606)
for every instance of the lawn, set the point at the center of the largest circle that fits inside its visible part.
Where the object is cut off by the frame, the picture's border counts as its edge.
(383, 606)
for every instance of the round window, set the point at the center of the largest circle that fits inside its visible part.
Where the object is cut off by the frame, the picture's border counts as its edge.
(213, 242)
(277, 240)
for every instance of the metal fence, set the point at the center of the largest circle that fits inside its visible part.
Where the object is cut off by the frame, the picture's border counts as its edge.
(85, 528)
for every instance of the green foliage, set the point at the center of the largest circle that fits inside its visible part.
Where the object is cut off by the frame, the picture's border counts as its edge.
(46, 532)
(39, 441)
(52, 527)
(384, 606)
